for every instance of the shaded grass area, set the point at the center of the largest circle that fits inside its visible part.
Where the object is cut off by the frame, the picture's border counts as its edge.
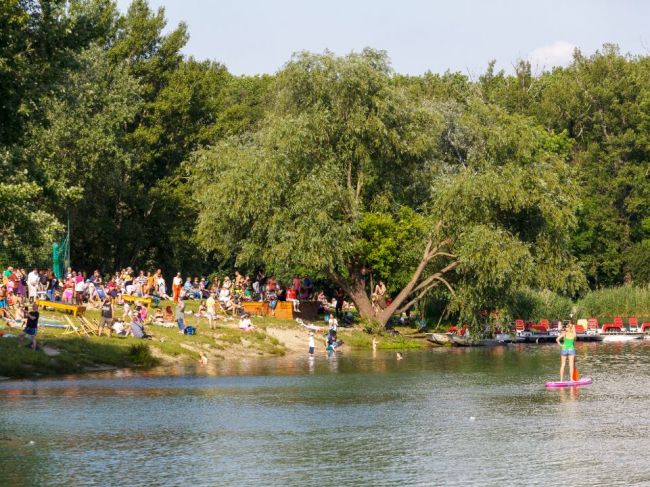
(73, 354)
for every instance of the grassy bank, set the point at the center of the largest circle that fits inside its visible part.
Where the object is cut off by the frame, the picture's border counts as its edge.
(62, 352)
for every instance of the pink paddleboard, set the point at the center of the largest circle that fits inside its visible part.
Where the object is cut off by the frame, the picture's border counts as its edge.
(585, 381)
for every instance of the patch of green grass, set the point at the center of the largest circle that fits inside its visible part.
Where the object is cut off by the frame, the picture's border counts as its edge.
(140, 354)
(360, 339)
(76, 353)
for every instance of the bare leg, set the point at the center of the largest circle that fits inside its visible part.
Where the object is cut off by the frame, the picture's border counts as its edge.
(562, 363)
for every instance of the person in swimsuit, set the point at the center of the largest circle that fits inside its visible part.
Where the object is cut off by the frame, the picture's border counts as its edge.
(567, 340)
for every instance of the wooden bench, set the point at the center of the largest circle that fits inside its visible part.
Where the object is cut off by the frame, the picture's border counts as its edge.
(255, 308)
(283, 309)
(58, 306)
(133, 299)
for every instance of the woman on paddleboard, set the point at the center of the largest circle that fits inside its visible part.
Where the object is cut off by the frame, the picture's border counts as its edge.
(567, 340)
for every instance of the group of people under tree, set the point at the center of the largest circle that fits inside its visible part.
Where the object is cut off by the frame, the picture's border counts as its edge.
(218, 297)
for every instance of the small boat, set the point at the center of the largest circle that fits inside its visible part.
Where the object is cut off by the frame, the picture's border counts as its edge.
(530, 337)
(439, 338)
(551, 337)
(462, 341)
(621, 337)
(589, 337)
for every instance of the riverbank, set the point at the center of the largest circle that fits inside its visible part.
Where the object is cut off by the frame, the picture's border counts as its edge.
(62, 352)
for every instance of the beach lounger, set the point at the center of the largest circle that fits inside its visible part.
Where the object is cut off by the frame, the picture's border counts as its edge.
(633, 324)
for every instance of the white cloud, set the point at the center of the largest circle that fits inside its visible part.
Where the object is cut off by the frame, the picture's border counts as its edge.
(559, 53)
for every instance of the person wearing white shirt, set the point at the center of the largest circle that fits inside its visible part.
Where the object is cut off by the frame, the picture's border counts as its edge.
(32, 284)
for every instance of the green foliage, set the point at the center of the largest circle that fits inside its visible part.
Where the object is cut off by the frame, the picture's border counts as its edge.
(140, 355)
(26, 230)
(336, 166)
(528, 304)
(624, 301)
(347, 175)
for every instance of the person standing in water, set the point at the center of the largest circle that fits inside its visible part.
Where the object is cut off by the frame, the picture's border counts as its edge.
(567, 339)
(312, 343)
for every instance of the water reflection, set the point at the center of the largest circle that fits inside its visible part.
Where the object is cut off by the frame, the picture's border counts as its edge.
(346, 419)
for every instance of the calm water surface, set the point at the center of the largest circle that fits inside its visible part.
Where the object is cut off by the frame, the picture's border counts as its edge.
(438, 417)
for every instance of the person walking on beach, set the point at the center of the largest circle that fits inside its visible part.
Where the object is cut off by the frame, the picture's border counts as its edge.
(31, 327)
(567, 340)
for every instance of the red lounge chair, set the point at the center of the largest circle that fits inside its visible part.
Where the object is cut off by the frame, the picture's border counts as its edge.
(618, 323)
(592, 324)
(580, 329)
(555, 325)
(544, 323)
(452, 329)
(614, 327)
(541, 328)
(633, 323)
(519, 325)
(645, 328)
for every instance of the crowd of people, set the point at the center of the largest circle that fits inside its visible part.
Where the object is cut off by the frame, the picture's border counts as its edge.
(81, 288)
(217, 296)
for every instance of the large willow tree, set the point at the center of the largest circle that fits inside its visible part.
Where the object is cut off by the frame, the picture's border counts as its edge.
(349, 177)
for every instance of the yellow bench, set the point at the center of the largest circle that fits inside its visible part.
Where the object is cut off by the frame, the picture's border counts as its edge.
(133, 299)
(73, 308)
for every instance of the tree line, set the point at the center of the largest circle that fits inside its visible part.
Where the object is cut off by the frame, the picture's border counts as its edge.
(334, 165)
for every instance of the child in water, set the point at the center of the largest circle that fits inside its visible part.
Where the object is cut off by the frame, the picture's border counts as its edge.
(312, 343)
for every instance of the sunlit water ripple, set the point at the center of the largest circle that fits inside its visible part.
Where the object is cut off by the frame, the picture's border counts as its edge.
(438, 417)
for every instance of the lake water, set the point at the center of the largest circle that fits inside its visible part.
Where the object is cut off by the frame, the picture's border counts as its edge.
(438, 417)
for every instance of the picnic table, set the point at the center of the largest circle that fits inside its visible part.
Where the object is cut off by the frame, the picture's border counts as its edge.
(133, 299)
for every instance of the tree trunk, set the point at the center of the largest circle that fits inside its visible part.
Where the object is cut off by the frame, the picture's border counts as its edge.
(359, 296)
(414, 290)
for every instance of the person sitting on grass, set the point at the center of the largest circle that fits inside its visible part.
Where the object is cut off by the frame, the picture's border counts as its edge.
(143, 311)
(169, 314)
(137, 325)
(31, 327)
(200, 313)
(245, 323)
(158, 316)
(20, 319)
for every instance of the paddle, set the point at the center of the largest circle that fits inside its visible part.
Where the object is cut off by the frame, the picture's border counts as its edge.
(576, 375)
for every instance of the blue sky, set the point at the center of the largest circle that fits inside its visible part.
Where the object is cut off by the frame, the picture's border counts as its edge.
(257, 36)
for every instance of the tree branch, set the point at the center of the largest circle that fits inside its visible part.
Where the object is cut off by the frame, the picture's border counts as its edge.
(433, 277)
(424, 291)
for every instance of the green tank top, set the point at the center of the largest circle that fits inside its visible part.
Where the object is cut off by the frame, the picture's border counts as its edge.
(567, 344)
